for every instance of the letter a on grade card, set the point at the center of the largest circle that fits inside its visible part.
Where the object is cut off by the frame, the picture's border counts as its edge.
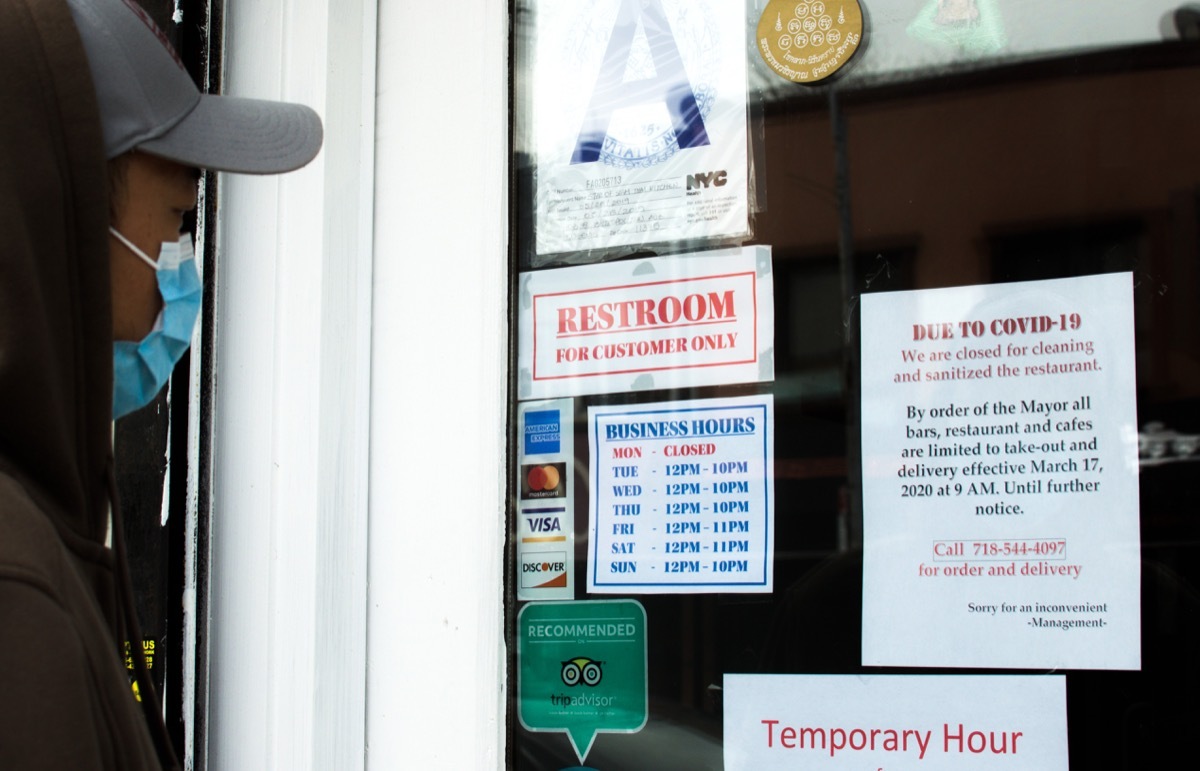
(667, 85)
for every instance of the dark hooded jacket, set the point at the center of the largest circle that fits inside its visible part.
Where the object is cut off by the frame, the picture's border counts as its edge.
(65, 697)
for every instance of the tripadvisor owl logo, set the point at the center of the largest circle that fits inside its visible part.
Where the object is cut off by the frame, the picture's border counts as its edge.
(582, 670)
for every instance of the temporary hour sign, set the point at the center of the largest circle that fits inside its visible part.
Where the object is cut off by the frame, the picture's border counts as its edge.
(856, 722)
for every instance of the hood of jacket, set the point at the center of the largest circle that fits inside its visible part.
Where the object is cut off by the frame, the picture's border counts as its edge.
(55, 306)
(65, 696)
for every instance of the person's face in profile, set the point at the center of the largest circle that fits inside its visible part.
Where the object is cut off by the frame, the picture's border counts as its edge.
(150, 197)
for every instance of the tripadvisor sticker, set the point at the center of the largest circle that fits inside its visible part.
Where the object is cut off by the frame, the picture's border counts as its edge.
(807, 42)
(582, 669)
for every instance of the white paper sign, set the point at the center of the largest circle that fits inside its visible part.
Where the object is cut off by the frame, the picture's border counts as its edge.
(1000, 487)
(930, 722)
(665, 322)
(639, 121)
(546, 502)
(683, 497)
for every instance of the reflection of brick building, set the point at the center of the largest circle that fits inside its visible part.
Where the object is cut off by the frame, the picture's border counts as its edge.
(1057, 168)
(957, 168)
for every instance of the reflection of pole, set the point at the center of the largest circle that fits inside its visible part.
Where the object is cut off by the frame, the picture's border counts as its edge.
(850, 354)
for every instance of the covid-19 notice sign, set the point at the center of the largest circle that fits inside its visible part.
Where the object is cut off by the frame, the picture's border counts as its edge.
(665, 322)
(1000, 476)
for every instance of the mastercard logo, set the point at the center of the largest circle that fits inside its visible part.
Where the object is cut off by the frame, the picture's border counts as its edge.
(542, 478)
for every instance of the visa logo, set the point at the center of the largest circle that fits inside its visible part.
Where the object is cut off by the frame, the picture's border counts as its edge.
(544, 524)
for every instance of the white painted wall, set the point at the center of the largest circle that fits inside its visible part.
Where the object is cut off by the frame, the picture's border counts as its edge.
(362, 328)
(436, 664)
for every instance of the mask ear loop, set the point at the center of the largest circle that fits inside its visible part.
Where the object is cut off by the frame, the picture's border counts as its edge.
(145, 257)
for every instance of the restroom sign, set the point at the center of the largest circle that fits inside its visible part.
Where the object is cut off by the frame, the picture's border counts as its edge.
(666, 322)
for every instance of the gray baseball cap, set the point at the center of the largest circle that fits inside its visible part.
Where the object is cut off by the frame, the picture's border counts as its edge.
(149, 102)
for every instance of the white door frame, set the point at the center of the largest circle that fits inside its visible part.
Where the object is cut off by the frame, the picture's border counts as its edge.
(436, 674)
(361, 351)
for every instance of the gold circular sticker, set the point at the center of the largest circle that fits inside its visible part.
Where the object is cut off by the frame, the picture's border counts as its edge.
(806, 41)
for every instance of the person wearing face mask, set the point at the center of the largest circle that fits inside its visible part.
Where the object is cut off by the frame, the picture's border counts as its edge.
(148, 339)
(101, 135)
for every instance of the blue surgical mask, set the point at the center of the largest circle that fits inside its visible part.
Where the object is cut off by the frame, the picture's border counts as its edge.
(140, 370)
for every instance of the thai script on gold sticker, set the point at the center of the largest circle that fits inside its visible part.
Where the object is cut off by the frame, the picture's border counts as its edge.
(807, 42)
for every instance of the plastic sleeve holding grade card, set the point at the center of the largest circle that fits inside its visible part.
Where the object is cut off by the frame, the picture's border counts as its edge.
(639, 116)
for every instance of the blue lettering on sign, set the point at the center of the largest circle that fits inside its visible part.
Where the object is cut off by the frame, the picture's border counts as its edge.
(670, 83)
(542, 432)
(544, 525)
